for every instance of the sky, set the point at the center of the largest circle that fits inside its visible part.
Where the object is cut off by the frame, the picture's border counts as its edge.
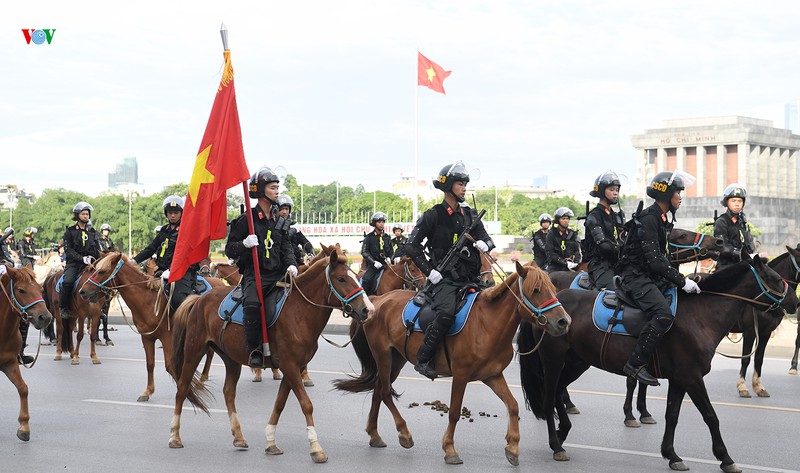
(328, 89)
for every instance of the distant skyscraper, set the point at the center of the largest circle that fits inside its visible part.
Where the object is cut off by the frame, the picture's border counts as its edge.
(540, 182)
(792, 117)
(127, 172)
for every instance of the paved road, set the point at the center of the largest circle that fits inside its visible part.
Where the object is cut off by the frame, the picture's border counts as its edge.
(86, 418)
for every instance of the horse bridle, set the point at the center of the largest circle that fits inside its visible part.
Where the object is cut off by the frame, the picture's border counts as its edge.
(549, 304)
(765, 291)
(102, 285)
(346, 307)
(695, 248)
(22, 309)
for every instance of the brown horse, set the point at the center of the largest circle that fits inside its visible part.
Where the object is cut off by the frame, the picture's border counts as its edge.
(83, 311)
(22, 298)
(293, 342)
(145, 298)
(480, 351)
(683, 356)
(228, 272)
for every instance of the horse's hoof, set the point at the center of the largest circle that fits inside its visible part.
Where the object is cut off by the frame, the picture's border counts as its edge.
(632, 423)
(762, 393)
(453, 459)
(57, 358)
(96, 362)
(573, 410)
(319, 457)
(308, 383)
(647, 420)
(678, 466)
(378, 443)
(75, 361)
(744, 393)
(175, 444)
(273, 450)
(513, 459)
(406, 442)
(732, 468)
(560, 456)
(793, 371)
(256, 379)
(240, 443)
(143, 398)
(24, 436)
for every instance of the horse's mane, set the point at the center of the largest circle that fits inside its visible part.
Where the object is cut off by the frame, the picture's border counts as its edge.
(724, 279)
(497, 290)
(535, 277)
(26, 275)
(311, 271)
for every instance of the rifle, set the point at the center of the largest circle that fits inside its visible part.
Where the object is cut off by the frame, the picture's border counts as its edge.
(586, 214)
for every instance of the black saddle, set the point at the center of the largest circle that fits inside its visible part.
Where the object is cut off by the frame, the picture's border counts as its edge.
(426, 315)
(633, 318)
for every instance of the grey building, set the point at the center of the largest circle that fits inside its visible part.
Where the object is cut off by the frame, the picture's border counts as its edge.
(127, 172)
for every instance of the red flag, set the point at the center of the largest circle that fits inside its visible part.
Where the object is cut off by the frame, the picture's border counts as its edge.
(219, 166)
(430, 74)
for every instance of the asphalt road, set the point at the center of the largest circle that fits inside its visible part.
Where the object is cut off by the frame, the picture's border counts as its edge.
(86, 418)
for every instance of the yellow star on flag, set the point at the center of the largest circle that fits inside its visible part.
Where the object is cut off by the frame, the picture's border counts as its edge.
(200, 175)
(431, 74)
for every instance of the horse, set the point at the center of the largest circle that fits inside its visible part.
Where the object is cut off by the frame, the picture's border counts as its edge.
(82, 310)
(293, 342)
(228, 272)
(480, 351)
(793, 366)
(145, 298)
(22, 298)
(683, 356)
(47, 266)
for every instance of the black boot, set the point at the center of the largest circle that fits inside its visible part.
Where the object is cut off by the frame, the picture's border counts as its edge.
(23, 330)
(645, 347)
(63, 300)
(426, 365)
(252, 337)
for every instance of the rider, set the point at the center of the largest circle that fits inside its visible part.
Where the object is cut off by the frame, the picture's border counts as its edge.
(376, 249)
(275, 257)
(562, 245)
(300, 244)
(27, 248)
(163, 246)
(398, 242)
(646, 271)
(440, 226)
(732, 227)
(7, 245)
(603, 228)
(540, 241)
(106, 245)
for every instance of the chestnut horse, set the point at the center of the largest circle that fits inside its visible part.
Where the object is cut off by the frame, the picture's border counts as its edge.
(145, 298)
(480, 351)
(683, 356)
(229, 272)
(22, 298)
(293, 342)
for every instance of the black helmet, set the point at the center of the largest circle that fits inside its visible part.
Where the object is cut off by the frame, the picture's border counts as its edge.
(105, 226)
(545, 218)
(607, 179)
(377, 217)
(285, 201)
(259, 181)
(563, 212)
(664, 185)
(80, 207)
(733, 190)
(172, 203)
(397, 226)
(450, 174)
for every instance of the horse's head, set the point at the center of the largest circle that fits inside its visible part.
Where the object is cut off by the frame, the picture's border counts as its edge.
(774, 288)
(487, 276)
(409, 273)
(685, 245)
(344, 285)
(788, 266)
(538, 294)
(98, 278)
(24, 295)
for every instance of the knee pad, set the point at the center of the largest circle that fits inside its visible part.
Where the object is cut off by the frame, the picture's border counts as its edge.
(662, 323)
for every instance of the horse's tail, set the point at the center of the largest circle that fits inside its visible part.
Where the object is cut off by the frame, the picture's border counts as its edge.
(531, 371)
(198, 392)
(45, 296)
(364, 382)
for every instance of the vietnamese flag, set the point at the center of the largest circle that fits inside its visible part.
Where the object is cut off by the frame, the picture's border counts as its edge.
(219, 166)
(430, 74)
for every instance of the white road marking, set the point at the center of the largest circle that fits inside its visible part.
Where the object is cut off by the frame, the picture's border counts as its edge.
(145, 404)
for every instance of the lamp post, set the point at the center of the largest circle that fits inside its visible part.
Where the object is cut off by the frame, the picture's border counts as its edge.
(130, 223)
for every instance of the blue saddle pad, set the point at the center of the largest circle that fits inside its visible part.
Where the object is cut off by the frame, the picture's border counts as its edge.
(60, 283)
(201, 279)
(201, 286)
(237, 316)
(411, 309)
(602, 314)
(575, 281)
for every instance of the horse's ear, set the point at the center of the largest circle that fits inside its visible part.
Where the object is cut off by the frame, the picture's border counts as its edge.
(325, 250)
(521, 270)
(333, 258)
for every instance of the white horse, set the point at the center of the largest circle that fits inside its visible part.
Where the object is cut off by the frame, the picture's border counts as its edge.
(47, 265)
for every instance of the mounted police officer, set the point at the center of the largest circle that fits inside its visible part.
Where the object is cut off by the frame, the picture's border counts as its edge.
(376, 249)
(398, 242)
(301, 247)
(7, 245)
(646, 272)
(732, 227)
(275, 257)
(163, 246)
(540, 241)
(437, 229)
(603, 228)
(27, 248)
(105, 241)
(562, 245)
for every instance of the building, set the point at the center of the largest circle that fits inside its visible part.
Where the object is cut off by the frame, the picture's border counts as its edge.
(127, 172)
(719, 151)
(792, 117)
(405, 188)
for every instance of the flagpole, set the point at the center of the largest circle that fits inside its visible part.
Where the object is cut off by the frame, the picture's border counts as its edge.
(415, 208)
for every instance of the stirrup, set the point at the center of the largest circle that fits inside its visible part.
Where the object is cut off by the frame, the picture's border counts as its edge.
(640, 374)
(255, 359)
(427, 369)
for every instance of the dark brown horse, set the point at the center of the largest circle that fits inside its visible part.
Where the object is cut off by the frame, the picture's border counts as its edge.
(480, 351)
(683, 356)
(21, 298)
(293, 342)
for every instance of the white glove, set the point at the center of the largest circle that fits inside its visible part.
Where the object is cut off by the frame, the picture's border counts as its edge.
(250, 241)
(165, 275)
(37, 258)
(397, 260)
(3, 269)
(435, 277)
(571, 265)
(87, 260)
(481, 245)
(691, 287)
(377, 265)
(292, 270)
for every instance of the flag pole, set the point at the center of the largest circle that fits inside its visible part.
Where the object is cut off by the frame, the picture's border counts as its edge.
(415, 208)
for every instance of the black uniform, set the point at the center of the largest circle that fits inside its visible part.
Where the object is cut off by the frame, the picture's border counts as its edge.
(78, 243)
(376, 247)
(300, 245)
(560, 246)
(540, 248)
(274, 256)
(163, 246)
(735, 236)
(6, 247)
(397, 246)
(27, 252)
(106, 243)
(601, 245)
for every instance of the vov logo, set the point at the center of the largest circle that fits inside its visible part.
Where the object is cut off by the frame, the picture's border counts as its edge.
(38, 36)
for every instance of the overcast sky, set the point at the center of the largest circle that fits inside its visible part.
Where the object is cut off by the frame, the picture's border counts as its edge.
(327, 88)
